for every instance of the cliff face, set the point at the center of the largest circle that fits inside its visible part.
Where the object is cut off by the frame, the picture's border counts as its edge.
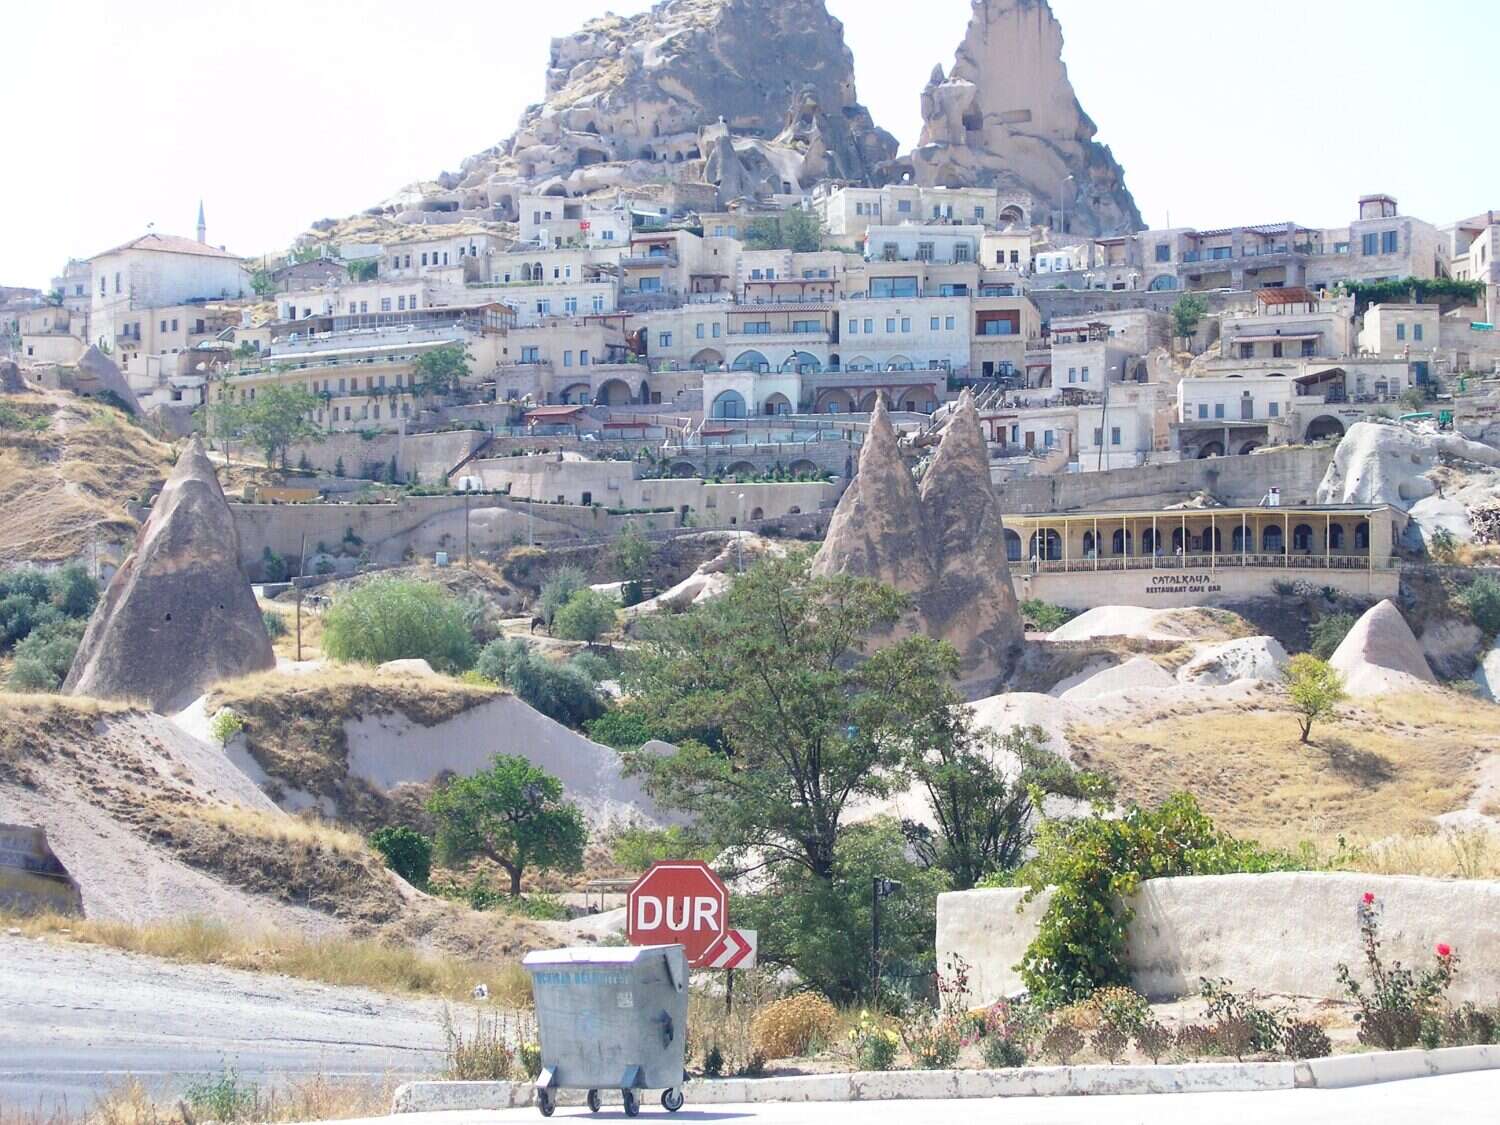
(1007, 116)
(627, 96)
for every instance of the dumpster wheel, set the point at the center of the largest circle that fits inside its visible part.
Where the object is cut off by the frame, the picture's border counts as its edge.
(593, 1101)
(545, 1102)
(671, 1100)
(632, 1103)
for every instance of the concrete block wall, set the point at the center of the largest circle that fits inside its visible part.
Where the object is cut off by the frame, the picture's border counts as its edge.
(1281, 933)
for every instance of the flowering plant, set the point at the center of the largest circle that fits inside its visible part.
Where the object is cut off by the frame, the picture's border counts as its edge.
(1392, 1007)
(874, 1042)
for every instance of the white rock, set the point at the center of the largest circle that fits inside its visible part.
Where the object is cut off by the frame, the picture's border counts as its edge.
(1248, 658)
(1138, 674)
(1380, 654)
(1487, 675)
(1378, 464)
(414, 667)
(1440, 512)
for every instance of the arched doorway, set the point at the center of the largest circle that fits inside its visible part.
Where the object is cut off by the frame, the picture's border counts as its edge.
(1088, 544)
(1120, 542)
(1149, 542)
(1012, 546)
(575, 392)
(804, 362)
(682, 469)
(728, 404)
(750, 361)
(613, 392)
(1212, 541)
(1210, 449)
(742, 469)
(777, 404)
(1323, 427)
(1162, 282)
(1249, 447)
(1302, 537)
(708, 359)
(1237, 540)
(1362, 537)
(1046, 545)
(1335, 537)
(802, 467)
(1271, 540)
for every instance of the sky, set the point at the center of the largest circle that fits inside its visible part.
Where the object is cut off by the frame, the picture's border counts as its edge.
(123, 113)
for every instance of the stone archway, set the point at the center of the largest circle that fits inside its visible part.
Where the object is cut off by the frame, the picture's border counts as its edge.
(613, 392)
(1323, 427)
(1210, 449)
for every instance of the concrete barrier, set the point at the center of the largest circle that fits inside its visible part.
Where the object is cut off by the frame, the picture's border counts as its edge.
(1038, 1081)
(1284, 932)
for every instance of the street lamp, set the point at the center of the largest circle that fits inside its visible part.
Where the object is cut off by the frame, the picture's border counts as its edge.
(881, 887)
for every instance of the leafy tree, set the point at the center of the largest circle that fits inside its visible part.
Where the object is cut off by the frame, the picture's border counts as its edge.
(622, 727)
(1481, 598)
(74, 591)
(441, 370)
(406, 852)
(1328, 632)
(512, 814)
(821, 926)
(633, 553)
(586, 616)
(635, 848)
(44, 656)
(592, 665)
(272, 565)
(398, 619)
(790, 720)
(560, 585)
(1315, 689)
(562, 692)
(1187, 312)
(793, 229)
(262, 284)
(276, 417)
(363, 269)
(984, 790)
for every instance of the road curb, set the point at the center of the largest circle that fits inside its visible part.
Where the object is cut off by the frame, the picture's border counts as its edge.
(1336, 1072)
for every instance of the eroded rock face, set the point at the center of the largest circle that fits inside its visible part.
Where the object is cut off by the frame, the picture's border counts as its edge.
(1380, 654)
(179, 615)
(1007, 116)
(628, 97)
(944, 544)
(98, 373)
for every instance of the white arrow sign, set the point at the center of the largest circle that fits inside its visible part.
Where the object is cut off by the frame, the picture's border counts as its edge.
(735, 950)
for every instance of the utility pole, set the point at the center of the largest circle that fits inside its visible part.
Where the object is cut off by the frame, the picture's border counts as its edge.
(880, 887)
(301, 562)
(466, 527)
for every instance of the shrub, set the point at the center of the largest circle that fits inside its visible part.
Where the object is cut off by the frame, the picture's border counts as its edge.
(486, 1056)
(560, 585)
(1044, 615)
(1442, 545)
(1096, 864)
(789, 1027)
(713, 1062)
(529, 1060)
(44, 656)
(1468, 1025)
(592, 665)
(1002, 1053)
(1153, 1040)
(586, 616)
(1223, 1003)
(1122, 1008)
(1481, 598)
(1109, 1042)
(275, 623)
(1305, 1040)
(1234, 1036)
(874, 1042)
(272, 565)
(1328, 632)
(1062, 1042)
(635, 848)
(398, 619)
(406, 852)
(934, 1044)
(223, 1099)
(73, 591)
(621, 727)
(1397, 999)
(562, 692)
(225, 725)
(1195, 1040)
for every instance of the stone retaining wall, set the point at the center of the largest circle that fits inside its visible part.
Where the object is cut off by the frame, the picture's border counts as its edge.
(1283, 932)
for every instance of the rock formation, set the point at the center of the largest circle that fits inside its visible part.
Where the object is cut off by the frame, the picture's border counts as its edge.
(627, 98)
(942, 543)
(178, 615)
(1381, 654)
(11, 382)
(98, 374)
(1006, 116)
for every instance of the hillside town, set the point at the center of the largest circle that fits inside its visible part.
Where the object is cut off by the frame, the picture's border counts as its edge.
(695, 479)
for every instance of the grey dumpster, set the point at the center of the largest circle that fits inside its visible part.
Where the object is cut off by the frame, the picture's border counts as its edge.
(610, 1018)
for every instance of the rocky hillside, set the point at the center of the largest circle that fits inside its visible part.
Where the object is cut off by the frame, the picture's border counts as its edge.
(1006, 115)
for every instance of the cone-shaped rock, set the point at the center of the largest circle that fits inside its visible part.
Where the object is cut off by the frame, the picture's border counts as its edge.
(1381, 653)
(876, 530)
(179, 614)
(970, 601)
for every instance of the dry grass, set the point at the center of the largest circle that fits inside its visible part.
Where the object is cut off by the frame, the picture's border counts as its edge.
(294, 724)
(312, 630)
(32, 724)
(277, 829)
(1472, 853)
(64, 488)
(1382, 768)
(345, 961)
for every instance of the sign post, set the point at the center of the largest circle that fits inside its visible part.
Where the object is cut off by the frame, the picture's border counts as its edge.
(682, 902)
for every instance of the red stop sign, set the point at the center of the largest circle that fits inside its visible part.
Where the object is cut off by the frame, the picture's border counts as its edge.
(678, 902)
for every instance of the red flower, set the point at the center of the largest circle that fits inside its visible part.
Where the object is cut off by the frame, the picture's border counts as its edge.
(1444, 949)
(1369, 898)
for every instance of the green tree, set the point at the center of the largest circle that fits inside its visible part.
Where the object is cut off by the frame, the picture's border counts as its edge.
(564, 693)
(1481, 598)
(398, 619)
(633, 554)
(586, 616)
(44, 655)
(262, 284)
(512, 814)
(560, 585)
(441, 370)
(73, 590)
(276, 417)
(789, 718)
(1328, 632)
(793, 229)
(406, 852)
(984, 790)
(1186, 314)
(363, 269)
(821, 926)
(1314, 687)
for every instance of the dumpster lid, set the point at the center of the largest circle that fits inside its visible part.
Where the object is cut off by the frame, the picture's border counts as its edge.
(594, 954)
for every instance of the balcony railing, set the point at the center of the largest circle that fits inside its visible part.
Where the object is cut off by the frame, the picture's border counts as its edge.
(1268, 560)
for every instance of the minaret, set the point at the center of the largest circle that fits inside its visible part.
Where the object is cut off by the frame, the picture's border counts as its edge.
(202, 226)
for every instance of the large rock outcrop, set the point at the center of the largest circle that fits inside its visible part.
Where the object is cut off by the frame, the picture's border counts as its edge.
(1007, 116)
(98, 374)
(179, 614)
(942, 543)
(1381, 654)
(627, 99)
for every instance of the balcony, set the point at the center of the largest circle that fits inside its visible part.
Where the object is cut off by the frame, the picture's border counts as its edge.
(642, 261)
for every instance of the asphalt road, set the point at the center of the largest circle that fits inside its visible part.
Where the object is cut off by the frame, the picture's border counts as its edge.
(1423, 1101)
(76, 1020)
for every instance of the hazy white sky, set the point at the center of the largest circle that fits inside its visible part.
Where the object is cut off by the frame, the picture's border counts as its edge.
(280, 112)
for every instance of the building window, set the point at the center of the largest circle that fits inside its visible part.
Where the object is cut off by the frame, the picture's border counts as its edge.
(664, 339)
(1307, 347)
(1114, 435)
(568, 358)
(1276, 349)
(906, 324)
(401, 303)
(960, 251)
(854, 326)
(1274, 409)
(717, 329)
(1247, 351)
(1369, 244)
(1163, 252)
(530, 355)
(1084, 375)
(869, 325)
(570, 306)
(903, 206)
(1416, 331)
(1072, 374)
(1388, 242)
(598, 302)
(583, 357)
(933, 324)
(948, 323)
(890, 324)
(1218, 410)
(924, 251)
(650, 285)
(1203, 410)
(1098, 435)
(1047, 439)
(698, 331)
(1400, 330)
(385, 304)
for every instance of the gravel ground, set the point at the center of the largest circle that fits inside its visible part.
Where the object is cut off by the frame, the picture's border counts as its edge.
(76, 1020)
